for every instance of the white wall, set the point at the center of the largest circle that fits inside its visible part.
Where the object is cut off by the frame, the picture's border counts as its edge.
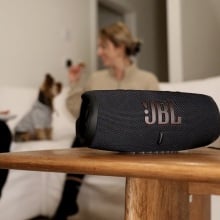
(194, 33)
(38, 36)
(200, 38)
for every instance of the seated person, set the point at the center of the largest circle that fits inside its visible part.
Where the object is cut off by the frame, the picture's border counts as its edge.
(116, 47)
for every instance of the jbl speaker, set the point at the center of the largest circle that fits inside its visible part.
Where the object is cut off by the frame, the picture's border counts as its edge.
(146, 121)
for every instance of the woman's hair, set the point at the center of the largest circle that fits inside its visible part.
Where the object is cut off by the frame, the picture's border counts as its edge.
(119, 34)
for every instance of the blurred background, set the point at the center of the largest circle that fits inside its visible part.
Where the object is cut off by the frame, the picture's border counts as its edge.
(181, 39)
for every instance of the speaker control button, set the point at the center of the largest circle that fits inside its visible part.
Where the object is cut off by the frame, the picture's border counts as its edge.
(160, 138)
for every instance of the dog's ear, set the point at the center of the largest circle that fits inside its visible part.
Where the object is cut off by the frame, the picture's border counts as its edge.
(59, 87)
(49, 80)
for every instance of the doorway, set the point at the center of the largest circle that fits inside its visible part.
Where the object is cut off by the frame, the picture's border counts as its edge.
(108, 13)
(106, 16)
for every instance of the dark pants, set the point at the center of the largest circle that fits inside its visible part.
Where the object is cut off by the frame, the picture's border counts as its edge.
(68, 204)
(5, 142)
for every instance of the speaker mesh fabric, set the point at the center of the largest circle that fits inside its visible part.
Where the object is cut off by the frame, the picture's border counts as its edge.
(121, 123)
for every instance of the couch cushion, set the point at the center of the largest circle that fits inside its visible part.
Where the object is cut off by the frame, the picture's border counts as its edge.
(209, 86)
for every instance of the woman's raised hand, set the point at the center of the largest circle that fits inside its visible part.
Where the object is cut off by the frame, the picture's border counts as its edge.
(75, 72)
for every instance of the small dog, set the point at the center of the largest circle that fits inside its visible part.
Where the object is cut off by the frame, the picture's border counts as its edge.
(36, 124)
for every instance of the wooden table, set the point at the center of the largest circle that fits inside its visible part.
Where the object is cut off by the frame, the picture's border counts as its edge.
(157, 186)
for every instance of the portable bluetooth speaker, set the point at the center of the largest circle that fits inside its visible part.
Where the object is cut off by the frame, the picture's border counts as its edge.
(146, 121)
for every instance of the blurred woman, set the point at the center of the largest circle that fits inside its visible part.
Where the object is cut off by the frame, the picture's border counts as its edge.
(116, 47)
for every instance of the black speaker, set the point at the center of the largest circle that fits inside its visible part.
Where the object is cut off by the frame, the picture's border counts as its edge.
(146, 121)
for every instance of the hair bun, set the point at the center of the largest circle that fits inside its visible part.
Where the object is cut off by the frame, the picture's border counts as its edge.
(134, 48)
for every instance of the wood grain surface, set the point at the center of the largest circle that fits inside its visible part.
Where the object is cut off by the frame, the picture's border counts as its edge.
(157, 185)
(200, 207)
(201, 165)
(154, 199)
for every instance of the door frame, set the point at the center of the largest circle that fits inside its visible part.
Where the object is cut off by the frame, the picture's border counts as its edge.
(174, 38)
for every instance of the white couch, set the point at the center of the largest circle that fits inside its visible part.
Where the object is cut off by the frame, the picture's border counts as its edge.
(27, 194)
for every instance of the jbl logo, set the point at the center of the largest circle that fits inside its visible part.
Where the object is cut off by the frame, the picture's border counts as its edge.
(161, 113)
